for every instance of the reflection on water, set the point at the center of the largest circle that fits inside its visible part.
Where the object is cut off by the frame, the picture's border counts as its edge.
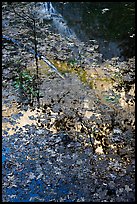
(47, 12)
(112, 24)
(15, 118)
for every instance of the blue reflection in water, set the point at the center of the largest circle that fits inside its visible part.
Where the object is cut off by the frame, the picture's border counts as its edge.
(3, 158)
(37, 190)
(34, 190)
(5, 150)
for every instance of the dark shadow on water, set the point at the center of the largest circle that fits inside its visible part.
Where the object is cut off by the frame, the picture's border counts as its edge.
(112, 24)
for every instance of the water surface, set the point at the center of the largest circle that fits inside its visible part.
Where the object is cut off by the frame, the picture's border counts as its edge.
(112, 24)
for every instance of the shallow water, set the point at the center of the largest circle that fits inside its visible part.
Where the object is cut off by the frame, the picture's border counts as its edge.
(40, 161)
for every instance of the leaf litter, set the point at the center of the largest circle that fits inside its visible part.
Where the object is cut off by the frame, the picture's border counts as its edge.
(77, 137)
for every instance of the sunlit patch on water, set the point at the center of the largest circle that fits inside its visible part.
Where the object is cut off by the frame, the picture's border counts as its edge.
(99, 150)
(102, 85)
(17, 119)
